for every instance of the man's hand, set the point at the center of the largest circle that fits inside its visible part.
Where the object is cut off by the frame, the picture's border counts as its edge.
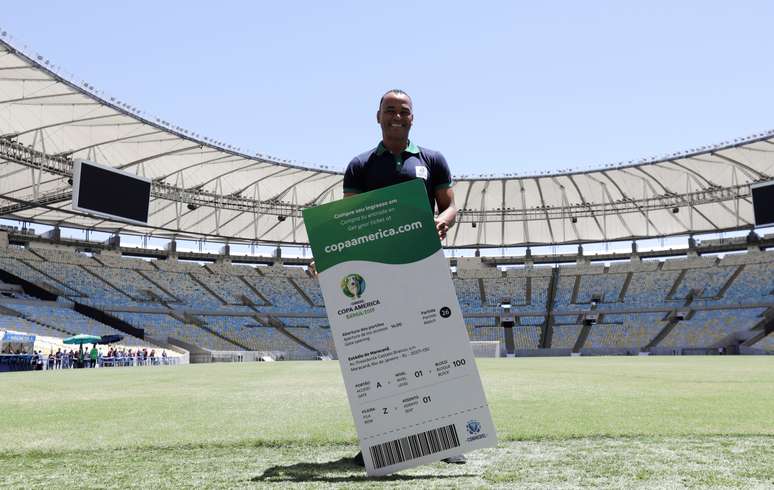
(441, 227)
(313, 269)
(447, 211)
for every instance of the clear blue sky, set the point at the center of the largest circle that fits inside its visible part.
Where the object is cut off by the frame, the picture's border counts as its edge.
(499, 87)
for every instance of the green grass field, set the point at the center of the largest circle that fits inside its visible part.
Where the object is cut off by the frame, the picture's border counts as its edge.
(619, 422)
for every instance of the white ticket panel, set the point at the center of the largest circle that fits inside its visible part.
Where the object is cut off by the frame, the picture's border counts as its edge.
(411, 378)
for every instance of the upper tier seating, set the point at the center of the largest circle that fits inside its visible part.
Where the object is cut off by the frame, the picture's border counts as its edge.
(310, 287)
(650, 288)
(232, 269)
(230, 288)
(539, 291)
(754, 284)
(65, 256)
(185, 289)
(90, 286)
(510, 289)
(119, 262)
(17, 252)
(280, 293)
(468, 294)
(24, 271)
(132, 283)
(176, 266)
(564, 291)
(708, 281)
(607, 287)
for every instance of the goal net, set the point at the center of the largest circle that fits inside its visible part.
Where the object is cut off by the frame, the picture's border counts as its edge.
(486, 348)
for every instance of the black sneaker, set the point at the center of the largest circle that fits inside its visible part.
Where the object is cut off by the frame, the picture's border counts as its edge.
(358, 459)
(461, 459)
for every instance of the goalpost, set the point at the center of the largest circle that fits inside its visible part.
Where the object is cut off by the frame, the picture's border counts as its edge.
(487, 348)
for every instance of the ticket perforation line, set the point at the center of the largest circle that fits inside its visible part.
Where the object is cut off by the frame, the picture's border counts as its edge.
(398, 429)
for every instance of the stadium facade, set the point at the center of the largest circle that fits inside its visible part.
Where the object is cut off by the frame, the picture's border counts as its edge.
(208, 189)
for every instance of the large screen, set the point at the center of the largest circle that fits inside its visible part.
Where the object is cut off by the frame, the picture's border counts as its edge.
(110, 193)
(763, 203)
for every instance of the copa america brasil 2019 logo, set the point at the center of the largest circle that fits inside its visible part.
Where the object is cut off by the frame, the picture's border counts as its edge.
(353, 285)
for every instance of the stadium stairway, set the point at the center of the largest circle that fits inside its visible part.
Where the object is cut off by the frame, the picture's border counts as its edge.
(51, 278)
(662, 334)
(481, 291)
(208, 289)
(528, 290)
(584, 333)
(301, 292)
(729, 282)
(105, 284)
(548, 327)
(196, 354)
(224, 337)
(575, 290)
(147, 278)
(625, 287)
(65, 333)
(255, 291)
(109, 320)
(676, 285)
(762, 329)
(273, 322)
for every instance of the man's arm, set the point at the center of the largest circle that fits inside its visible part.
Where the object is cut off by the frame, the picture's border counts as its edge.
(447, 211)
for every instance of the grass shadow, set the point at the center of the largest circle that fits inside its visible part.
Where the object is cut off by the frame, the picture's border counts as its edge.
(342, 470)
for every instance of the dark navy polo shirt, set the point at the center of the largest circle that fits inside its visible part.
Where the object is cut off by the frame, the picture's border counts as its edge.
(379, 168)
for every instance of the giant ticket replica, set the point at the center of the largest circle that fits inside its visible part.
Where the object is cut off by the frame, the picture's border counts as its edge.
(405, 355)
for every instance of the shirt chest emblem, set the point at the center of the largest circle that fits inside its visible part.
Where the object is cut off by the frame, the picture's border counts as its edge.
(421, 172)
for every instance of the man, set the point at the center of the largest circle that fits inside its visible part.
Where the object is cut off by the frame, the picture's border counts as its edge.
(93, 355)
(397, 159)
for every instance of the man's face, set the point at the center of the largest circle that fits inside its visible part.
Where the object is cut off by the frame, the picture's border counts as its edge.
(395, 115)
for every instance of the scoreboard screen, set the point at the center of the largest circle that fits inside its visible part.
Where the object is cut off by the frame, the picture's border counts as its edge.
(110, 193)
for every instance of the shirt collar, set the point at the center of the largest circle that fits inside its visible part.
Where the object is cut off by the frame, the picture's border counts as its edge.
(410, 148)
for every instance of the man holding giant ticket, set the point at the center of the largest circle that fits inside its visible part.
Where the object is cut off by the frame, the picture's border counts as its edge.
(411, 379)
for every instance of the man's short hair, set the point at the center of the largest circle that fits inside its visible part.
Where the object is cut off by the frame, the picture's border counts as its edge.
(396, 91)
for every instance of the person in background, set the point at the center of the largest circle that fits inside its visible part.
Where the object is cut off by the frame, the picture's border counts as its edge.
(94, 355)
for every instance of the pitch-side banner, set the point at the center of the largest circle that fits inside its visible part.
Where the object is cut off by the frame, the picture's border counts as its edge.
(412, 382)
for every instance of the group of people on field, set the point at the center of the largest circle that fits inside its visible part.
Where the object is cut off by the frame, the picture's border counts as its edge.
(92, 358)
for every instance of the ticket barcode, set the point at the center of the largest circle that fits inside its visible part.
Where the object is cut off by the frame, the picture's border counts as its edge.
(414, 446)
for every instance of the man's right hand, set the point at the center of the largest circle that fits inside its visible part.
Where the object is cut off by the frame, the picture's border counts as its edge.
(313, 268)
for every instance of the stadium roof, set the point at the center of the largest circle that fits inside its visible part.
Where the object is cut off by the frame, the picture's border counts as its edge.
(208, 189)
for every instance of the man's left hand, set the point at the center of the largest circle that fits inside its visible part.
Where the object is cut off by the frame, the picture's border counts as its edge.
(442, 227)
